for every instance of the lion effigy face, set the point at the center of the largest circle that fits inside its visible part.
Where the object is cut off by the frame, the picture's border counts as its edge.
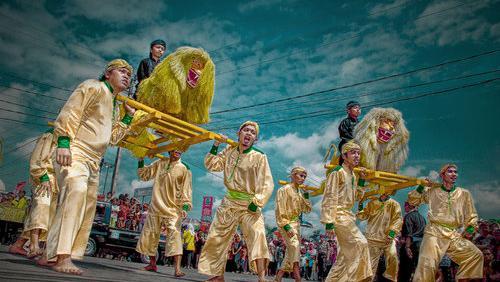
(383, 138)
(386, 130)
(194, 72)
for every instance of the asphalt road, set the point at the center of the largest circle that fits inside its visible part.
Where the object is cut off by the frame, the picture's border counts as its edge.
(18, 268)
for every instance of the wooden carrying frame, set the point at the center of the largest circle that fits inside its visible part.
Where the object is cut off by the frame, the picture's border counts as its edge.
(173, 133)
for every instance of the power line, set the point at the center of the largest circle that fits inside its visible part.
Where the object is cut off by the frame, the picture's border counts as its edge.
(330, 112)
(327, 44)
(330, 100)
(32, 92)
(378, 79)
(314, 19)
(21, 146)
(31, 108)
(24, 122)
(36, 82)
(26, 114)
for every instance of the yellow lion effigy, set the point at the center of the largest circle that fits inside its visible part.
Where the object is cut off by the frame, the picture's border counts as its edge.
(383, 138)
(182, 85)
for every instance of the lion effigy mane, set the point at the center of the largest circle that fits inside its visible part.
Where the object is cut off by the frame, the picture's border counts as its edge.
(387, 157)
(167, 90)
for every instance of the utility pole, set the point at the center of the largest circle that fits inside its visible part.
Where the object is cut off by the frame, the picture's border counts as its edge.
(115, 170)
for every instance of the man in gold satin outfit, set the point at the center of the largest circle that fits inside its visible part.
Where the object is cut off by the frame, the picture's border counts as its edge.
(451, 209)
(85, 126)
(249, 184)
(353, 260)
(384, 223)
(44, 197)
(290, 204)
(170, 202)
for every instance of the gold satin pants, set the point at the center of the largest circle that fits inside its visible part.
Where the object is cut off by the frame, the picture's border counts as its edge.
(292, 252)
(460, 250)
(376, 249)
(76, 207)
(353, 259)
(231, 214)
(150, 236)
(41, 215)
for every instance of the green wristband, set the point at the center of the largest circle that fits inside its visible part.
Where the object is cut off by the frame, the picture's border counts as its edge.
(252, 207)
(361, 182)
(306, 195)
(392, 233)
(330, 226)
(127, 119)
(287, 227)
(44, 178)
(420, 189)
(140, 164)
(470, 229)
(63, 142)
(185, 207)
(360, 207)
(214, 149)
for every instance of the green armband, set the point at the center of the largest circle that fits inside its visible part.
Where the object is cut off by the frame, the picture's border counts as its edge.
(214, 149)
(127, 119)
(361, 182)
(420, 189)
(330, 226)
(252, 207)
(140, 164)
(44, 178)
(470, 229)
(306, 195)
(63, 142)
(185, 207)
(392, 233)
(287, 227)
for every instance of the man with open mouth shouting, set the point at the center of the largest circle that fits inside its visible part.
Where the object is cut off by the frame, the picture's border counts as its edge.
(249, 183)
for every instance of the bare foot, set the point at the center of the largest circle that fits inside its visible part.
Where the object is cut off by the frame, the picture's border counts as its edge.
(17, 250)
(43, 261)
(152, 268)
(34, 252)
(179, 273)
(216, 279)
(67, 266)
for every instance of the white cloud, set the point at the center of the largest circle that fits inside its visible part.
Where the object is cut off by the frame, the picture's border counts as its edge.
(260, 4)
(304, 151)
(390, 10)
(414, 171)
(457, 24)
(214, 179)
(115, 11)
(486, 198)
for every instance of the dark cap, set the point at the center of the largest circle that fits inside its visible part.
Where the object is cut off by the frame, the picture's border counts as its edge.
(158, 42)
(352, 104)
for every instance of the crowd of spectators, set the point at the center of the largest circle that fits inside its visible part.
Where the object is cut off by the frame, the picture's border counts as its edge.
(318, 254)
(16, 200)
(126, 212)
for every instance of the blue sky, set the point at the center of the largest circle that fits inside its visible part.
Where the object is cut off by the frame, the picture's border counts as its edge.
(270, 50)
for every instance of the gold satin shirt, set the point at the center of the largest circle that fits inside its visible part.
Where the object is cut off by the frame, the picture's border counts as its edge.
(382, 218)
(41, 160)
(172, 186)
(290, 203)
(246, 172)
(339, 196)
(448, 211)
(90, 119)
